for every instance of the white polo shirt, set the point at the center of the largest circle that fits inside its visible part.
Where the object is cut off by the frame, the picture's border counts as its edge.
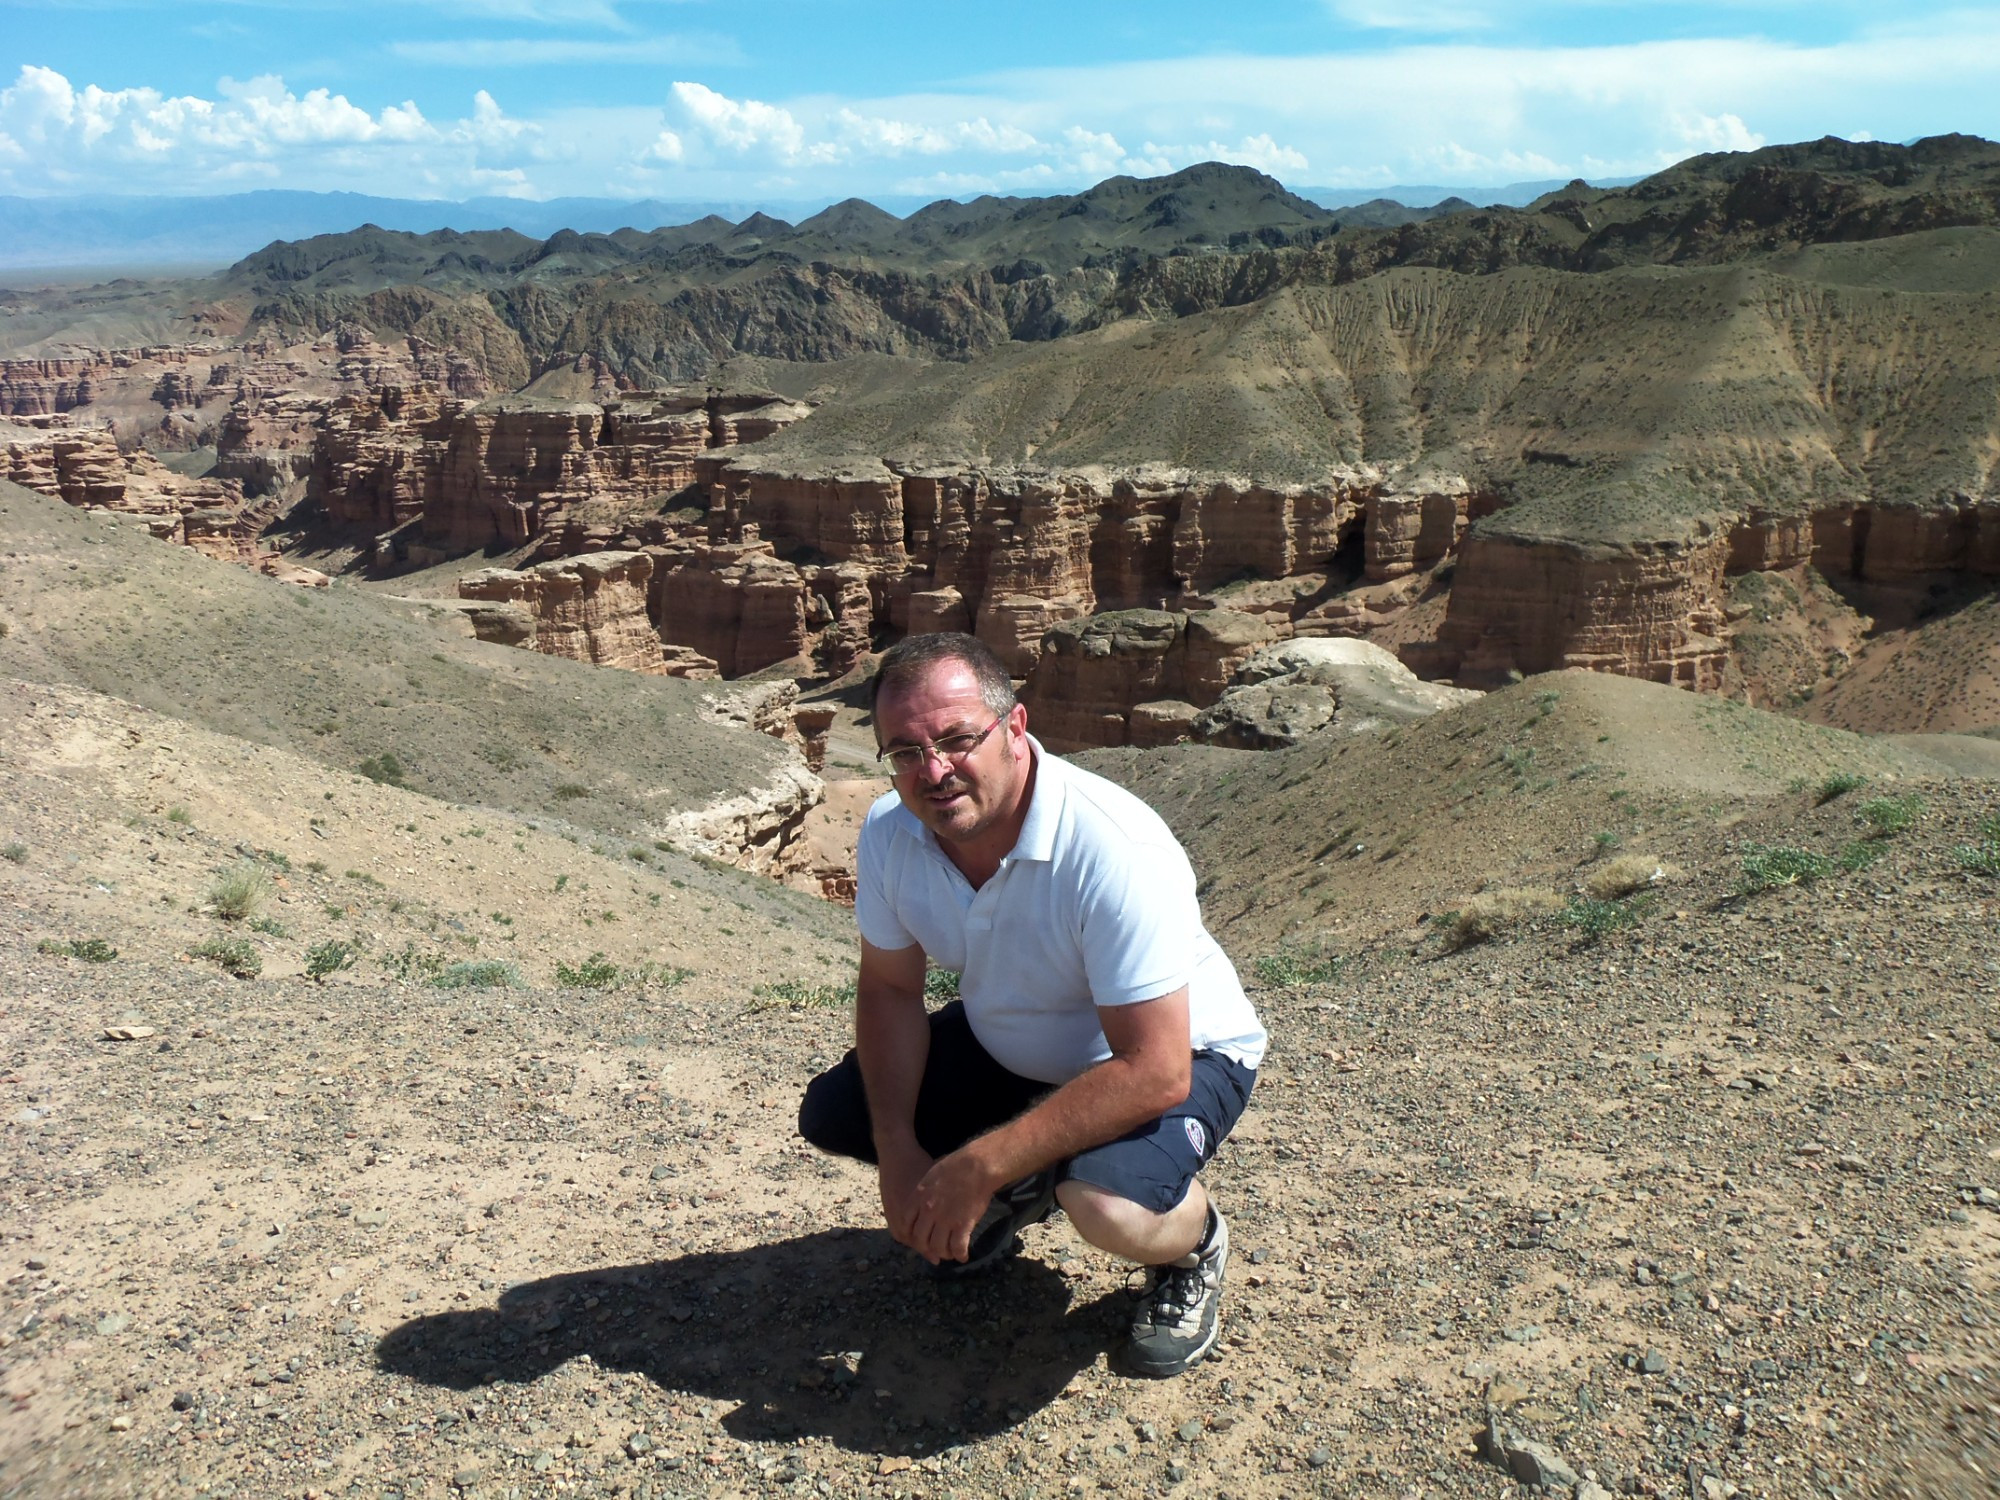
(1095, 905)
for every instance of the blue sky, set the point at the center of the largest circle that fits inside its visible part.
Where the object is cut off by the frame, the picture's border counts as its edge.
(787, 99)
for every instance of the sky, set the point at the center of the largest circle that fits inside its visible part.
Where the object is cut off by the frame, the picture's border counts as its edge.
(795, 99)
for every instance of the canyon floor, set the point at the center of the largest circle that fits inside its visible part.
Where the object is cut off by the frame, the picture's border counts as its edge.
(1694, 1191)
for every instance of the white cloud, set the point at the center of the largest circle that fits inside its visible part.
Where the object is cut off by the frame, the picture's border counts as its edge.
(1411, 15)
(73, 139)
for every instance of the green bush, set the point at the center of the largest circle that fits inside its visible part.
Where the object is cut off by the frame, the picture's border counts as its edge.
(1766, 867)
(410, 963)
(1982, 858)
(239, 891)
(233, 955)
(270, 925)
(1290, 968)
(14, 853)
(1889, 815)
(480, 974)
(594, 973)
(91, 950)
(1859, 855)
(1837, 785)
(569, 791)
(940, 986)
(1596, 920)
(178, 813)
(330, 957)
(385, 768)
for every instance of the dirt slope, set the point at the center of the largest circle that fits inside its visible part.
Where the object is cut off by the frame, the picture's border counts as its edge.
(1940, 677)
(373, 1235)
(343, 677)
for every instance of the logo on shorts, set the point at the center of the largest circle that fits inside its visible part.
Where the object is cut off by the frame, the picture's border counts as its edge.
(1197, 1137)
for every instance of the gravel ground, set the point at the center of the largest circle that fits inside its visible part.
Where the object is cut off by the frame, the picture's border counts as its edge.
(1705, 1207)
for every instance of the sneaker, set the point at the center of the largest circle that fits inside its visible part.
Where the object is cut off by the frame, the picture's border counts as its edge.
(1177, 1320)
(997, 1235)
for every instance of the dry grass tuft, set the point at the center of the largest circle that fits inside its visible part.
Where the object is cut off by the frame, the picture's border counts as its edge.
(1491, 913)
(1617, 878)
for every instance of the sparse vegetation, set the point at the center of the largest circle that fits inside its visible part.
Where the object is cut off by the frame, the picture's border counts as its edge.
(477, 974)
(1595, 919)
(387, 768)
(1837, 785)
(1982, 858)
(799, 994)
(1767, 867)
(1890, 815)
(233, 955)
(409, 962)
(269, 925)
(239, 891)
(178, 813)
(1620, 877)
(94, 950)
(1491, 913)
(569, 791)
(1292, 967)
(362, 877)
(1858, 854)
(940, 986)
(330, 957)
(14, 853)
(594, 973)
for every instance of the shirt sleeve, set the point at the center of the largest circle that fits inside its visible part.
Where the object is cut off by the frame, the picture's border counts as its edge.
(1138, 925)
(874, 913)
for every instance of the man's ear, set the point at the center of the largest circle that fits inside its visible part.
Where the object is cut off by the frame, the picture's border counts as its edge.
(1017, 719)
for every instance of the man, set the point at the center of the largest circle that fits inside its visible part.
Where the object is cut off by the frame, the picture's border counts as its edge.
(1101, 1048)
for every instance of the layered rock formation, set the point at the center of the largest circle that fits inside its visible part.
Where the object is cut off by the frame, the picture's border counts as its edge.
(1285, 693)
(586, 608)
(503, 472)
(1136, 677)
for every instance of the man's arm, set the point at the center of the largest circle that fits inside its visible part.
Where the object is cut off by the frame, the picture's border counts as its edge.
(1146, 1075)
(892, 1038)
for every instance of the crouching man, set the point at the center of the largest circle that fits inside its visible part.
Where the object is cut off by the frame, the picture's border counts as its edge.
(1101, 1047)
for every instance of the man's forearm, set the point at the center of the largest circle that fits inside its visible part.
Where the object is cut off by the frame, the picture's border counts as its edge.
(1098, 1105)
(892, 1038)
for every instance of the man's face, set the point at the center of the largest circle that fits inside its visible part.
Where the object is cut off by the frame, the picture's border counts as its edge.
(957, 800)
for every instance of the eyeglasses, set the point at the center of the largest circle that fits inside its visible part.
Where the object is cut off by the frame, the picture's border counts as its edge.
(953, 747)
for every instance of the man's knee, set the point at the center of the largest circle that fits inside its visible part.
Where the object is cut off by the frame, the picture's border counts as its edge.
(833, 1115)
(1098, 1213)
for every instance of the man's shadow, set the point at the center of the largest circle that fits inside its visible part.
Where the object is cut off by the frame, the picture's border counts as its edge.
(839, 1334)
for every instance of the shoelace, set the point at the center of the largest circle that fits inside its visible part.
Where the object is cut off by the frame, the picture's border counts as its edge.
(1176, 1290)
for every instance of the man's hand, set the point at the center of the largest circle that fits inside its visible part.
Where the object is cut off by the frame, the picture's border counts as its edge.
(899, 1176)
(950, 1199)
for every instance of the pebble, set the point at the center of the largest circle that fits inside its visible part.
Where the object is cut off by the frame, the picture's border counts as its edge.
(465, 1478)
(1189, 1430)
(1652, 1362)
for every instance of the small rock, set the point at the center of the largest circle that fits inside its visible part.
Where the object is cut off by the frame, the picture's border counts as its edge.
(1189, 1430)
(371, 1218)
(1652, 1362)
(129, 1033)
(183, 1401)
(1319, 1458)
(465, 1478)
(36, 1265)
(1847, 1161)
(638, 1445)
(112, 1323)
(1176, 1473)
(121, 1424)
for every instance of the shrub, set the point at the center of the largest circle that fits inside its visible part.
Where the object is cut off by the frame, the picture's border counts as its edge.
(408, 963)
(1620, 877)
(1888, 815)
(270, 925)
(797, 994)
(385, 768)
(178, 813)
(482, 974)
(1491, 913)
(233, 955)
(239, 891)
(1605, 840)
(91, 950)
(1595, 919)
(940, 986)
(1982, 858)
(594, 973)
(362, 877)
(1859, 854)
(1766, 867)
(1291, 967)
(1837, 785)
(569, 791)
(330, 957)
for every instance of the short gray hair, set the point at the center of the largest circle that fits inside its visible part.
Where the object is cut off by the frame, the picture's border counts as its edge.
(910, 658)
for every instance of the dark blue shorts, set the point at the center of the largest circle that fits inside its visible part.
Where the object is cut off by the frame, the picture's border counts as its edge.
(966, 1093)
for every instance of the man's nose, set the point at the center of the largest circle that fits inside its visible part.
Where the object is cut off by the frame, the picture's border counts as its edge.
(932, 756)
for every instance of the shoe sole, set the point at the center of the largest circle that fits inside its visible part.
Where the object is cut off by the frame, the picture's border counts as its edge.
(1000, 1218)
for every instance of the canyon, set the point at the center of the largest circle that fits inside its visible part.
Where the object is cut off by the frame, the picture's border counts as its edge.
(1128, 438)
